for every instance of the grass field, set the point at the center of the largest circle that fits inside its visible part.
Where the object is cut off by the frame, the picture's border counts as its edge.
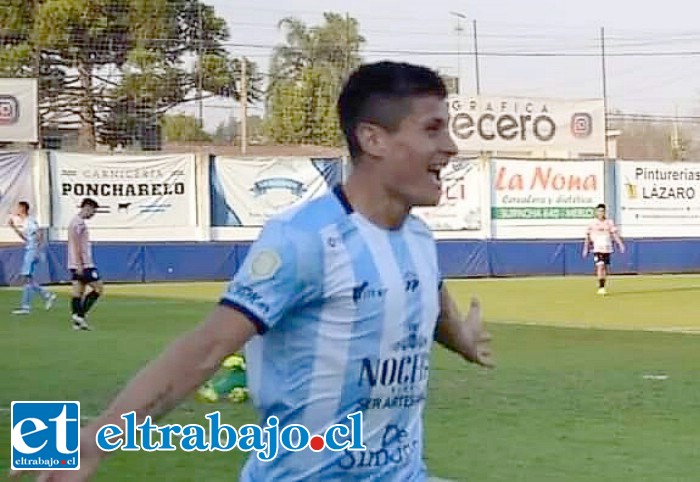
(587, 388)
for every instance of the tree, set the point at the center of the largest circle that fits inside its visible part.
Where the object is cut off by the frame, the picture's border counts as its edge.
(183, 128)
(19, 54)
(652, 140)
(229, 131)
(16, 52)
(307, 74)
(116, 66)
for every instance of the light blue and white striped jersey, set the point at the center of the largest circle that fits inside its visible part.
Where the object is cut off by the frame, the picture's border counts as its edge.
(346, 313)
(30, 229)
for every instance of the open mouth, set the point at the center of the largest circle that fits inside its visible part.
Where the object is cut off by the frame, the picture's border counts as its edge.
(435, 171)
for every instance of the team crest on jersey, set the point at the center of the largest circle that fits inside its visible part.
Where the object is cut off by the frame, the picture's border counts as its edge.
(413, 341)
(265, 264)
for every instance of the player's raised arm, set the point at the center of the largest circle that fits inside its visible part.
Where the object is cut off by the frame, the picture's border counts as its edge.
(465, 336)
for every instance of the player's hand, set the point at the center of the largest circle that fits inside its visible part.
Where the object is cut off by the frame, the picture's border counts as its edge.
(585, 252)
(477, 349)
(622, 248)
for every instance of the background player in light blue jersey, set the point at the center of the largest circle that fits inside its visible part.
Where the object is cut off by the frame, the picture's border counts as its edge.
(28, 229)
(337, 303)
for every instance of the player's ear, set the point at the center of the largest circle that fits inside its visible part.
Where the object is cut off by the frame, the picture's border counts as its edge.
(372, 139)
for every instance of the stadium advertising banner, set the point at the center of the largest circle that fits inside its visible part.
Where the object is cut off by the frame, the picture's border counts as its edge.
(517, 124)
(247, 192)
(460, 205)
(538, 192)
(133, 191)
(19, 110)
(654, 193)
(15, 183)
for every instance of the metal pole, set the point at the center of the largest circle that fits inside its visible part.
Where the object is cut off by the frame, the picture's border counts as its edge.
(477, 75)
(244, 101)
(459, 29)
(605, 87)
(200, 74)
(346, 67)
(459, 56)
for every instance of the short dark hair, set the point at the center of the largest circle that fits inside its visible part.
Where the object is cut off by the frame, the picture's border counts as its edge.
(89, 202)
(380, 93)
(600, 206)
(24, 205)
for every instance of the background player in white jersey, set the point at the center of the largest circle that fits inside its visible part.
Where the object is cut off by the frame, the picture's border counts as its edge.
(599, 238)
(82, 267)
(28, 229)
(332, 295)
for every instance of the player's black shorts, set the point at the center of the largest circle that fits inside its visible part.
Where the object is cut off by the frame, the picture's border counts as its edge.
(601, 258)
(89, 275)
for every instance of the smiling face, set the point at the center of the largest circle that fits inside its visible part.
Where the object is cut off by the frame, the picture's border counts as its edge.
(395, 119)
(416, 153)
(408, 158)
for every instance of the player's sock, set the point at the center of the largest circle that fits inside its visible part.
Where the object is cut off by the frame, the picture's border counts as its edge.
(43, 292)
(27, 295)
(77, 306)
(89, 301)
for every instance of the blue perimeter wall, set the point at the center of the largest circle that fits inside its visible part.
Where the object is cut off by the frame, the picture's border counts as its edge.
(218, 261)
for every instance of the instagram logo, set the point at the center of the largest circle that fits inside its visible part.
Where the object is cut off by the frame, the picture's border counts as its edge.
(581, 124)
(9, 110)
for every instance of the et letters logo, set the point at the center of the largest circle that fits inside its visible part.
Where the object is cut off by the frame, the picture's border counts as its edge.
(9, 110)
(45, 435)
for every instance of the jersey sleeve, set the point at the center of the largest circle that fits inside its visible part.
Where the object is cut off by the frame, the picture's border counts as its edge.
(280, 273)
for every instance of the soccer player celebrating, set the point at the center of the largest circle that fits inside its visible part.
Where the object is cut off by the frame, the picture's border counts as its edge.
(337, 302)
(81, 265)
(599, 236)
(28, 229)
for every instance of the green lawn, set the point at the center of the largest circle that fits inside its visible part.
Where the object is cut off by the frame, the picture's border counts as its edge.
(564, 403)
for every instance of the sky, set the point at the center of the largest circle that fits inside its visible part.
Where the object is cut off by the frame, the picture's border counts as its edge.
(407, 29)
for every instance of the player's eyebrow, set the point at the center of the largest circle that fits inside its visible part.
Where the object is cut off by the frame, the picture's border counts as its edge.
(435, 121)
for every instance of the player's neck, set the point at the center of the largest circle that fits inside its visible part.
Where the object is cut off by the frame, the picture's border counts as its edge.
(371, 200)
